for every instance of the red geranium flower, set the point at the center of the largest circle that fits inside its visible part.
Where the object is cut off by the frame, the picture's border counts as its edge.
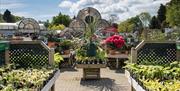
(115, 41)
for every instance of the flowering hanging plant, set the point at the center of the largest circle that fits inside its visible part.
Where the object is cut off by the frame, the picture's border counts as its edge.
(115, 42)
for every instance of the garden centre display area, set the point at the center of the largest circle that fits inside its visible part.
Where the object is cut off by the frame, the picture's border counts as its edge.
(86, 45)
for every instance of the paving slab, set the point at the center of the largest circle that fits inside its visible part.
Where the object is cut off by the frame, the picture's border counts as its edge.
(111, 80)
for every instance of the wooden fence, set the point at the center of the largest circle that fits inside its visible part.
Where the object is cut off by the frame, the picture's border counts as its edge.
(152, 52)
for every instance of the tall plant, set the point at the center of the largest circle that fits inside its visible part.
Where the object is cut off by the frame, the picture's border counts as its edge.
(91, 29)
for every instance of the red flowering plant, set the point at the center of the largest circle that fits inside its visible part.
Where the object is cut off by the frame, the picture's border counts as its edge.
(115, 42)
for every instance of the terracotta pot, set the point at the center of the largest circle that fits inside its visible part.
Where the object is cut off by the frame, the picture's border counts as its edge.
(112, 52)
(51, 44)
(66, 52)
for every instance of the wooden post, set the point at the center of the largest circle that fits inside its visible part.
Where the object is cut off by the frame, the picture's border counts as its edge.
(53, 87)
(51, 56)
(133, 55)
(178, 51)
(7, 57)
(178, 55)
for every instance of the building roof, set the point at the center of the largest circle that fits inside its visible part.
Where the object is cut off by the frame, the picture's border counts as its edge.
(14, 26)
(8, 26)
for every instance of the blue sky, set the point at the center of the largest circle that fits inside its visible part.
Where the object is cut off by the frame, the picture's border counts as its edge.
(46, 9)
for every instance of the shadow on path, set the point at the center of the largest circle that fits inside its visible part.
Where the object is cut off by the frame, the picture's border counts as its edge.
(104, 84)
(68, 69)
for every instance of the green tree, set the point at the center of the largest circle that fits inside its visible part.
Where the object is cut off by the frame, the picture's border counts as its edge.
(1, 18)
(126, 26)
(161, 16)
(18, 18)
(61, 19)
(173, 13)
(154, 23)
(132, 24)
(46, 24)
(56, 27)
(8, 17)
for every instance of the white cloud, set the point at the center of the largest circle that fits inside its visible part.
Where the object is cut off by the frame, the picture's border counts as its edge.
(122, 8)
(66, 4)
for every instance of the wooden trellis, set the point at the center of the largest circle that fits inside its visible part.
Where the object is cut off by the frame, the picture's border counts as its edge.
(30, 53)
(148, 52)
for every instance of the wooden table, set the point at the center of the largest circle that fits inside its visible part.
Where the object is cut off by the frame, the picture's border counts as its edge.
(117, 57)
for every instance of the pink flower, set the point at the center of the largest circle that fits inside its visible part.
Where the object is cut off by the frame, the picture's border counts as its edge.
(116, 40)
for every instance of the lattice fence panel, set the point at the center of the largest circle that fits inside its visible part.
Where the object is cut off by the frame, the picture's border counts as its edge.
(2, 57)
(28, 55)
(157, 53)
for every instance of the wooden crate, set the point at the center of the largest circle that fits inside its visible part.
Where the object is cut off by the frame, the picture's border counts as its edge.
(90, 65)
(91, 71)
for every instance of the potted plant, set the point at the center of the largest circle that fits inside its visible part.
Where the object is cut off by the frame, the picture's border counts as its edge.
(114, 44)
(65, 46)
(84, 56)
(90, 57)
(57, 60)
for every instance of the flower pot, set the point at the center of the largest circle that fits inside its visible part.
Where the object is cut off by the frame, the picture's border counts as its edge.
(66, 52)
(51, 44)
(114, 52)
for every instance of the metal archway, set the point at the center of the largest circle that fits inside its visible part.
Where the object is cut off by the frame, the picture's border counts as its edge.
(28, 25)
(89, 14)
(78, 27)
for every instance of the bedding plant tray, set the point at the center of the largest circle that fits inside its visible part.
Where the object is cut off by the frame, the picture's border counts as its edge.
(26, 79)
(156, 77)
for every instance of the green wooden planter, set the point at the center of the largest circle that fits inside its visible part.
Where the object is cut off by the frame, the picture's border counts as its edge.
(4, 45)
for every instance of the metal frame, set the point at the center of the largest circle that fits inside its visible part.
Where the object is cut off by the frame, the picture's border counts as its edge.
(24, 22)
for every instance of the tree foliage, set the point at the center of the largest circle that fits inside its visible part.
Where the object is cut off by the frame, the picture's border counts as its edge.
(161, 14)
(61, 19)
(56, 27)
(8, 17)
(173, 13)
(47, 24)
(132, 24)
(1, 18)
(154, 23)
(126, 26)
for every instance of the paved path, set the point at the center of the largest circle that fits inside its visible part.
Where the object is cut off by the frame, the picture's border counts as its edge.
(111, 80)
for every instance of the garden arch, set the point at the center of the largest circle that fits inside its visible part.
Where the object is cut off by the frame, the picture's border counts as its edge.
(28, 25)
